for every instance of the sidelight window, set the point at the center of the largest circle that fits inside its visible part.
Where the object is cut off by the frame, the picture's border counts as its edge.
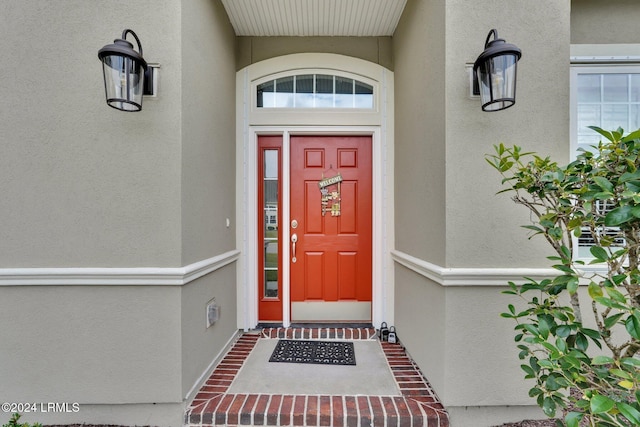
(270, 223)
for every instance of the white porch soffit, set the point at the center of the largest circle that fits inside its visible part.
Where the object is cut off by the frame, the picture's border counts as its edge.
(359, 18)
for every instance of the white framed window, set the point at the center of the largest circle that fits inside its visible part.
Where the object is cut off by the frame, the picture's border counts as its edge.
(606, 95)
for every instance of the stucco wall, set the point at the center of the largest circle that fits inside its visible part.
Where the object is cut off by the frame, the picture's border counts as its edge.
(208, 130)
(602, 22)
(483, 229)
(256, 49)
(451, 218)
(420, 138)
(421, 323)
(85, 185)
(208, 179)
(91, 345)
(201, 345)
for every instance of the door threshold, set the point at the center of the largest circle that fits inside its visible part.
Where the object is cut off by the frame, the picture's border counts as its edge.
(308, 324)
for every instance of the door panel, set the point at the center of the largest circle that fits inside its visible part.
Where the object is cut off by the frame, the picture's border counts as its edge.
(347, 274)
(333, 252)
(348, 214)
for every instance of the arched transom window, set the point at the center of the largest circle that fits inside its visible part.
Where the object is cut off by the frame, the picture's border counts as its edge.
(314, 91)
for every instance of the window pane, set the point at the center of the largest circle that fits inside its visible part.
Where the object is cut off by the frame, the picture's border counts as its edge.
(324, 100)
(284, 100)
(271, 164)
(304, 84)
(587, 142)
(588, 87)
(363, 88)
(614, 116)
(324, 84)
(635, 88)
(304, 91)
(271, 208)
(284, 85)
(588, 115)
(615, 88)
(265, 89)
(271, 255)
(271, 284)
(344, 101)
(344, 86)
(304, 100)
(634, 117)
(344, 93)
(364, 95)
(363, 101)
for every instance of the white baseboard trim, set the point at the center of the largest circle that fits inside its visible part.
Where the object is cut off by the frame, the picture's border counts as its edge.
(136, 276)
(476, 276)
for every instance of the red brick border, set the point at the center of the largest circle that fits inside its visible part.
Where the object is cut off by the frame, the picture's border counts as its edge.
(418, 405)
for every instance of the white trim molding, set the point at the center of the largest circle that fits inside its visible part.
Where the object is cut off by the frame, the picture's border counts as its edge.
(136, 276)
(470, 276)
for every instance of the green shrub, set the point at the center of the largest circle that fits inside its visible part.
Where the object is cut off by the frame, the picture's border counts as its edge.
(597, 194)
(13, 422)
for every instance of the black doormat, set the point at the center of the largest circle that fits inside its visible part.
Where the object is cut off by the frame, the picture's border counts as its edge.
(320, 352)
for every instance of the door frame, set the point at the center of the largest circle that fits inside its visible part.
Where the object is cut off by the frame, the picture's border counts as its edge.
(251, 122)
(250, 223)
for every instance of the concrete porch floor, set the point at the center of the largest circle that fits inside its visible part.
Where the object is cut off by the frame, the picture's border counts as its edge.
(384, 389)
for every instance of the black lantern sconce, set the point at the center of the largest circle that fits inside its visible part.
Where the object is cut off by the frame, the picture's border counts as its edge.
(494, 73)
(127, 76)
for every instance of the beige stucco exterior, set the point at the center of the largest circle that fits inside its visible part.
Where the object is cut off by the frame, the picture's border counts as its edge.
(373, 49)
(117, 229)
(594, 22)
(442, 136)
(104, 210)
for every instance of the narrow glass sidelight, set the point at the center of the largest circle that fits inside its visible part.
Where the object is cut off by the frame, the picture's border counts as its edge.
(268, 278)
(271, 222)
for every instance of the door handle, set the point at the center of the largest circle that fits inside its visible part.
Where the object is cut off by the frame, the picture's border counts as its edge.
(294, 239)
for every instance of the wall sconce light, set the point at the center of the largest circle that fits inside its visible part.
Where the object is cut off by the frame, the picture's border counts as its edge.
(494, 73)
(127, 76)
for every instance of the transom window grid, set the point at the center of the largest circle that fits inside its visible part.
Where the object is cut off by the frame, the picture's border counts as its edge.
(315, 91)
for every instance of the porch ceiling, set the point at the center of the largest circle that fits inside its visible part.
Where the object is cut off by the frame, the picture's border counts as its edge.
(359, 18)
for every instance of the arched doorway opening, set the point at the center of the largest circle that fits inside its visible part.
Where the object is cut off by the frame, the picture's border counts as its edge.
(315, 190)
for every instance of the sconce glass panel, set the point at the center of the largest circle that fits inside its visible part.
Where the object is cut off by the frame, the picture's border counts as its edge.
(123, 78)
(497, 77)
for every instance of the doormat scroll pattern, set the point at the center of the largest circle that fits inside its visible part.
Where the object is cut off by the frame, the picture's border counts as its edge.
(318, 352)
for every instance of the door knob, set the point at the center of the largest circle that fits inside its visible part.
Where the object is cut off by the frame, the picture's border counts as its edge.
(294, 239)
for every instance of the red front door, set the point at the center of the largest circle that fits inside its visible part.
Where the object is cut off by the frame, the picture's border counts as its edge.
(330, 229)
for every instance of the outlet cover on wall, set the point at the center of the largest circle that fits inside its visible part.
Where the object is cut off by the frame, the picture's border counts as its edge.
(213, 312)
